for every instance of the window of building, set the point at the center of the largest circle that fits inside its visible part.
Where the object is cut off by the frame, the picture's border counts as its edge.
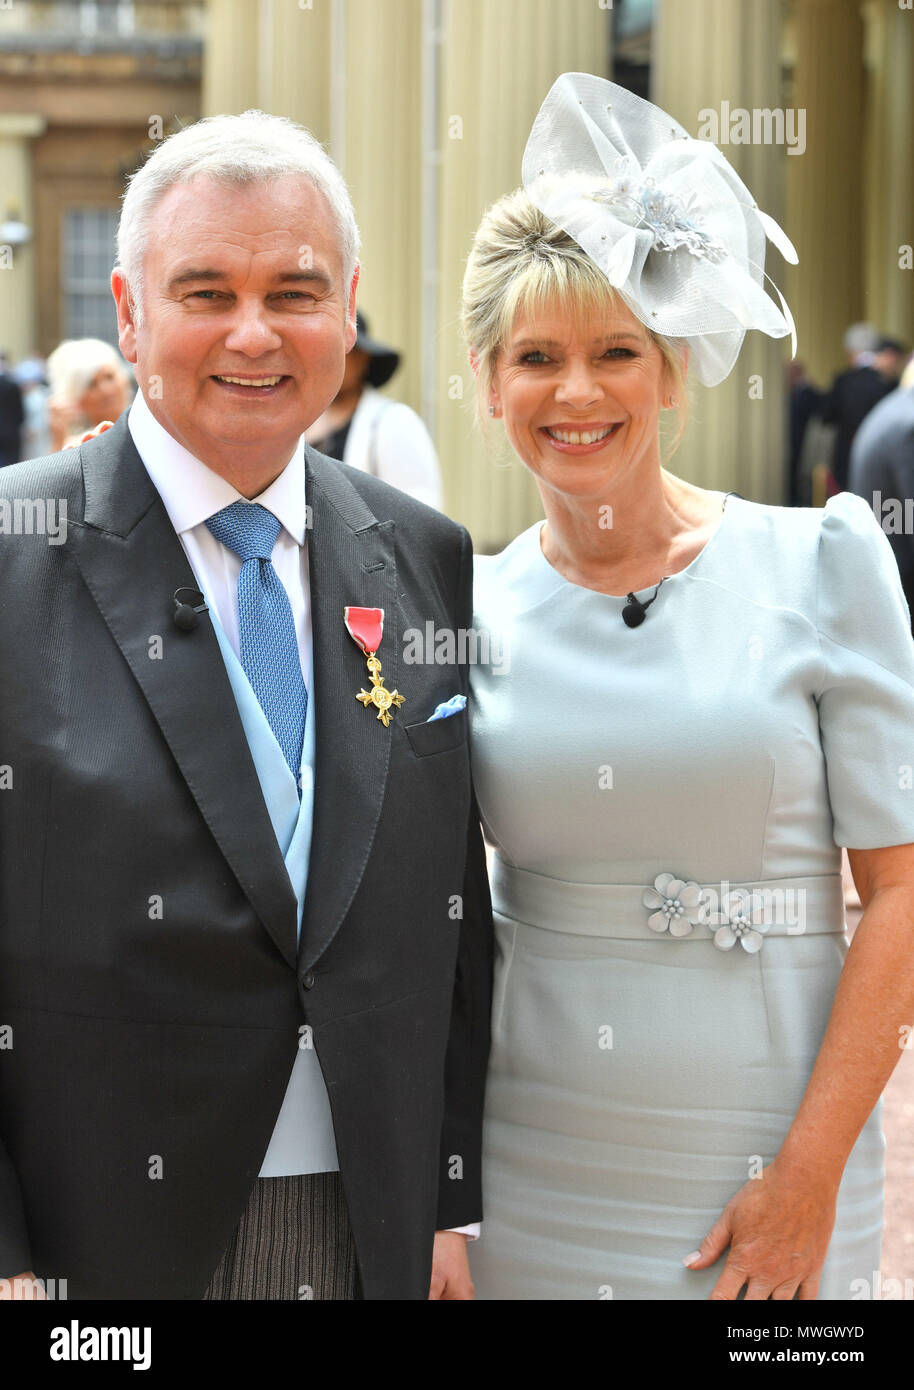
(86, 17)
(88, 254)
(106, 17)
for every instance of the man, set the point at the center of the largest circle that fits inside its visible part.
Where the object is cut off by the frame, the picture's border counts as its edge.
(12, 415)
(889, 359)
(804, 402)
(211, 1004)
(882, 472)
(853, 394)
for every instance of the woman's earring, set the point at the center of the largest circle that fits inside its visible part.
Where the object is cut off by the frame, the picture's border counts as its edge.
(491, 410)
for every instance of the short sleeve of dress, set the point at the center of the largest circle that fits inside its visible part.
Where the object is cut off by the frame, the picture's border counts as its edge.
(866, 699)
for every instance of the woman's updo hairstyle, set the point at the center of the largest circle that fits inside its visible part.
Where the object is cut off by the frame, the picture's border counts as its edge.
(520, 261)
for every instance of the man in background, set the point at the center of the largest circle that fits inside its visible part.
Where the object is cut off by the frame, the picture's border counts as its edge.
(12, 415)
(882, 472)
(853, 394)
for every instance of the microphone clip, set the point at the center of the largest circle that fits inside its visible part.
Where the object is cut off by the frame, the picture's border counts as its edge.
(189, 603)
(634, 612)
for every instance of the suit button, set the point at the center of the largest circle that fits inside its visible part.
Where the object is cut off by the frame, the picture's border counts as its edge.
(308, 979)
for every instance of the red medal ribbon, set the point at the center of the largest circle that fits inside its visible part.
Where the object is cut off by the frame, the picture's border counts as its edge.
(365, 626)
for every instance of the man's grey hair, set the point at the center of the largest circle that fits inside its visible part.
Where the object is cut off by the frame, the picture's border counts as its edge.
(251, 148)
(860, 337)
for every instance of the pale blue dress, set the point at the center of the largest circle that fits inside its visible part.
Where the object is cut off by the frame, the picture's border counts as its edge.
(760, 717)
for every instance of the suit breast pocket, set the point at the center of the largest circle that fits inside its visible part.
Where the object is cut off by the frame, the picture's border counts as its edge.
(439, 736)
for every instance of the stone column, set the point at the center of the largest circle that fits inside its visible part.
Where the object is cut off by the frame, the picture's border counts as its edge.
(382, 162)
(498, 61)
(296, 60)
(824, 188)
(707, 53)
(230, 57)
(271, 54)
(888, 168)
(18, 298)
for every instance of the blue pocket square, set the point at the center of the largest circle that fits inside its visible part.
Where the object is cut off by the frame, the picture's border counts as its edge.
(452, 706)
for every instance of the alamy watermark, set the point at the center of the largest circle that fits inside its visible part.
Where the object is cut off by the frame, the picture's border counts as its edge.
(735, 125)
(34, 516)
(762, 907)
(464, 646)
(25, 1286)
(894, 514)
(880, 1289)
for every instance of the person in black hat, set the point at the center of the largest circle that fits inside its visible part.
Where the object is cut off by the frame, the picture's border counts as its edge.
(373, 433)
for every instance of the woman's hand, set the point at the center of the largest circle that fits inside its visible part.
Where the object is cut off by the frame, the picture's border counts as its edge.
(778, 1227)
(89, 434)
(450, 1267)
(22, 1286)
(62, 419)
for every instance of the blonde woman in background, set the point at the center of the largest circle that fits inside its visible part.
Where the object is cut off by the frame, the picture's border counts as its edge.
(89, 383)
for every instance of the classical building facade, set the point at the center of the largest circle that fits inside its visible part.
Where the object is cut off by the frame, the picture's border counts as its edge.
(84, 87)
(426, 105)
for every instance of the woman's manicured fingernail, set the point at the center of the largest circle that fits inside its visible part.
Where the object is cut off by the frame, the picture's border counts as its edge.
(690, 1259)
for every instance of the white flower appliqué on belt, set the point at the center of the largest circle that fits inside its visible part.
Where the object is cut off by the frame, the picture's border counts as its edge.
(741, 918)
(677, 904)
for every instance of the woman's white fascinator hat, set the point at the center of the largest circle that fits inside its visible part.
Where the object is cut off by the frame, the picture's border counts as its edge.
(664, 216)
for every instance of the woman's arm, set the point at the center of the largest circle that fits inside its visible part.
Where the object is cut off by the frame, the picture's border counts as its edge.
(778, 1225)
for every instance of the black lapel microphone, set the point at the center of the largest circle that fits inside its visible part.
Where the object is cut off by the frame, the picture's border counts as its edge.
(634, 611)
(188, 604)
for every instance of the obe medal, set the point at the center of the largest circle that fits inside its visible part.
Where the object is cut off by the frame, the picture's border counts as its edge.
(366, 626)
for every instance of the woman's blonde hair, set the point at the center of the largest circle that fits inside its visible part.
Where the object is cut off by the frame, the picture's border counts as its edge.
(521, 261)
(73, 366)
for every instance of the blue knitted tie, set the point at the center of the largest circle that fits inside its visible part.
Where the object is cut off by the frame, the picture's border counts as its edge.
(269, 648)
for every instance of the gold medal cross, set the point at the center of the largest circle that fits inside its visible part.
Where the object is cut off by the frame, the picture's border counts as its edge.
(381, 698)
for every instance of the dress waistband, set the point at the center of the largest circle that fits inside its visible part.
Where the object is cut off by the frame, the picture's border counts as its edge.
(783, 906)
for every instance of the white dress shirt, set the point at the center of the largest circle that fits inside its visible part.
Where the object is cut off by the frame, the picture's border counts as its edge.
(192, 493)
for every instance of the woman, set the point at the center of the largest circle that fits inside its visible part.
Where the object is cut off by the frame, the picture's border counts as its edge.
(89, 384)
(706, 698)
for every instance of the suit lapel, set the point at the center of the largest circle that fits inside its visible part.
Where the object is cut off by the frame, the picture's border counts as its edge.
(352, 562)
(132, 561)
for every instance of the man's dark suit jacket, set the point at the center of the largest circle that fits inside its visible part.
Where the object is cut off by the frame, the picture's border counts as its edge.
(882, 462)
(851, 398)
(151, 1047)
(12, 418)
